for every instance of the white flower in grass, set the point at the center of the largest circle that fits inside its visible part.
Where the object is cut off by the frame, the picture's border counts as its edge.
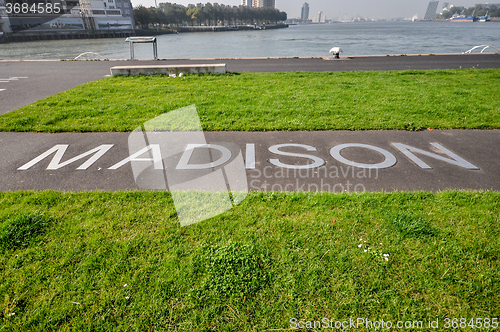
(360, 245)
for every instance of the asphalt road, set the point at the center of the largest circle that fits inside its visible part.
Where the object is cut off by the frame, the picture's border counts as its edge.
(463, 159)
(24, 82)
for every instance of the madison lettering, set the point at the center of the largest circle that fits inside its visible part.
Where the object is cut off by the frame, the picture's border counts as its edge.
(152, 154)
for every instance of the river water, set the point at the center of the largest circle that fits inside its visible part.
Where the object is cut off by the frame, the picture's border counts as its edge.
(300, 40)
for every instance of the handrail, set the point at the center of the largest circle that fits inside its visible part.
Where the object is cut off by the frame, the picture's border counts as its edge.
(485, 47)
(84, 53)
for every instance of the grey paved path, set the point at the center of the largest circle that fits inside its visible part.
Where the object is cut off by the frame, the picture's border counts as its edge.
(462, 159)
(24, 82)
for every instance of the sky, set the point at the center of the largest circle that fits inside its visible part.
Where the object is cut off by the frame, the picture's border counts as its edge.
(376, 9)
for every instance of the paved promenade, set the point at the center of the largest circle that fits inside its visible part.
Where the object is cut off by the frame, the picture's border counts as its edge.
(273, 161)
(24, 82)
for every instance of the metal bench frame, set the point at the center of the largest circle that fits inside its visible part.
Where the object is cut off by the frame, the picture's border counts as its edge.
(132, 40)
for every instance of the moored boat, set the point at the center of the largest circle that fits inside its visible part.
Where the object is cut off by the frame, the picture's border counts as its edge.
(484, 18)
(462, 18)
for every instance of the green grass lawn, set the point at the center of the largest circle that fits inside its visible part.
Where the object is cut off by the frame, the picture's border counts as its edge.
(411, 100)
(119, 261)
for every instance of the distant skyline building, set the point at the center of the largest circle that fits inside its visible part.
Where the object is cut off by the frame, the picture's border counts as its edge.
(247, 3)
(304, 15)
(320, 17)
(431, 12)
(263, 3)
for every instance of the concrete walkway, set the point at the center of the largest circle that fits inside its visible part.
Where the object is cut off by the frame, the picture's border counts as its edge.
(334, 161)
(24, 82)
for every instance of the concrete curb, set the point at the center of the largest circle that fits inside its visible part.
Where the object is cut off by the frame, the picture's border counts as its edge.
(169, 69)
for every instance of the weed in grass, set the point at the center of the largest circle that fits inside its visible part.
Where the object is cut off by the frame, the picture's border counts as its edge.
(232, 269)
(374, 251)
(409, 224)
(23, 230)
(11, 306)
(412, 127)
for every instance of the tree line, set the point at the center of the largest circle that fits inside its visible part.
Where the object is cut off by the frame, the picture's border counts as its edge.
(205, 14)
(478, 10)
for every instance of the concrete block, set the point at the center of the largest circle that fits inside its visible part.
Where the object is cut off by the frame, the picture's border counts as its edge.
(169, 69)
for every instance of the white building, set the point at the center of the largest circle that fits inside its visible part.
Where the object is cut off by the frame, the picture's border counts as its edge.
(107, 14)
(264, 3)
(90, 15)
